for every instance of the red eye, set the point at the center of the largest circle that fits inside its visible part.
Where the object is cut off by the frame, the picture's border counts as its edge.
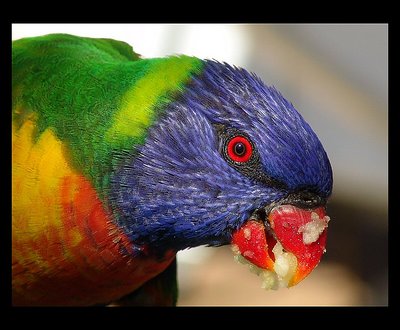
(239, 149)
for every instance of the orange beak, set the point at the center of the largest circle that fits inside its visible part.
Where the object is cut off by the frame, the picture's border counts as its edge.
(301, 232)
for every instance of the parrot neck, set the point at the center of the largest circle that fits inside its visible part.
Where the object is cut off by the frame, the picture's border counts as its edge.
(98, 262)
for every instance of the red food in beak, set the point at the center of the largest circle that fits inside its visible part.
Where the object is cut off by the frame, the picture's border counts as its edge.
(301, 232)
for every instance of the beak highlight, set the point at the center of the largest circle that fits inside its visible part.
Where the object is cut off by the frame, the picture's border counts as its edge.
(290, 245)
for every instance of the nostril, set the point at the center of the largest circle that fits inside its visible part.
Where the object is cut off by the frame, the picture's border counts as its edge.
(305, 199)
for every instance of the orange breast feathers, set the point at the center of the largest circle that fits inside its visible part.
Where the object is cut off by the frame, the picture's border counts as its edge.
(65, 248)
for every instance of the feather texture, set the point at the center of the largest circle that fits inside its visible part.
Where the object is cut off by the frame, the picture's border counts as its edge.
(118, 163)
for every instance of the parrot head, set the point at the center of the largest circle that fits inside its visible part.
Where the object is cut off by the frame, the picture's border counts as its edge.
(228, 161)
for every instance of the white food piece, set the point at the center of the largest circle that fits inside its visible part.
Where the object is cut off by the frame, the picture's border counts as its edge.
(247, 234)
(269, 279)
(284, 268)
(285, 264)
(313, 229)
(235, 249)
(248, 254)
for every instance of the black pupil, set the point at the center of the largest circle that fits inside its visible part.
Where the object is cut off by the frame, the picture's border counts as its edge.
(239, 149)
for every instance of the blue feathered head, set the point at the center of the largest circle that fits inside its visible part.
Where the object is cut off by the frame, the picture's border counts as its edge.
(228, 147)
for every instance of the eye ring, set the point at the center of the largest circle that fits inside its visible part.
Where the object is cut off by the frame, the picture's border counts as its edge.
(239, 149)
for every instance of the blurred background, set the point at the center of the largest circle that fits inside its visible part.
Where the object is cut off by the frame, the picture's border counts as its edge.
(336, 75)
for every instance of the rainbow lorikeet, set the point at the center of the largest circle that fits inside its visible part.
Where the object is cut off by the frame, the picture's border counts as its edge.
(118, 162)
